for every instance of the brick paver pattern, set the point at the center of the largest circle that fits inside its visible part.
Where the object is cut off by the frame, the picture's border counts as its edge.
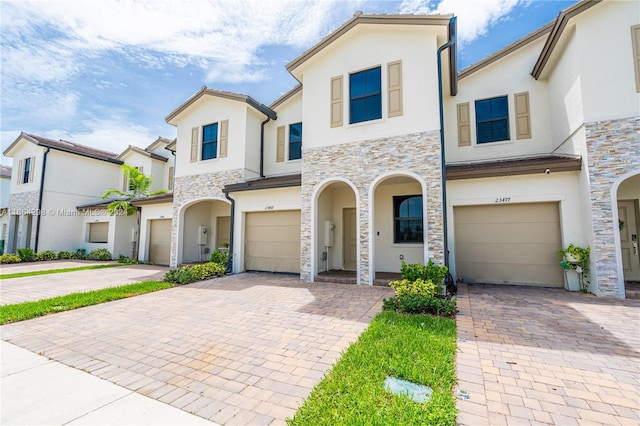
(530, 356)
(28, 289)
(243, 349)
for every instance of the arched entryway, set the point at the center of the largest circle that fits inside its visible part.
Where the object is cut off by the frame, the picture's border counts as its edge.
(626, 196)
(203, 228)
(336, 241)
(399, 218)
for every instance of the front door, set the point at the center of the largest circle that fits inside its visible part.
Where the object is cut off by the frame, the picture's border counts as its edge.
(223, 231)
(350, 239)
(629, 240)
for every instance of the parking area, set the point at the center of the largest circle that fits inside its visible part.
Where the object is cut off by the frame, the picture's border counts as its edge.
(529, 355)
(26, 289)
(243, 349)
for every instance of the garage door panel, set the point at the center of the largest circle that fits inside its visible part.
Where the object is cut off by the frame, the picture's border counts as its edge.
(160, 241)
(515, 243)
(508, 232)
(272, 241)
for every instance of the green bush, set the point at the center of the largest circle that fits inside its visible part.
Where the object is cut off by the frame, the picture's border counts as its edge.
(26, 254)
(220, 257)
(127, 260)
(66, 255)
(99, 254)
(46, 255)
(419, 286)
(429, 272)
(10, 258)
(190, 273)
(420, 304)
(81, 253)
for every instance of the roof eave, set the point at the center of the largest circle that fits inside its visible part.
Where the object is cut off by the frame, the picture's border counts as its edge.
(556, 32)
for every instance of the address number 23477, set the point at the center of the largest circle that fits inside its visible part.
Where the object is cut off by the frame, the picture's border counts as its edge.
(503, 200)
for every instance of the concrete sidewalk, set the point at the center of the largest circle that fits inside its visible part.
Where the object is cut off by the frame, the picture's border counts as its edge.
(37, 390)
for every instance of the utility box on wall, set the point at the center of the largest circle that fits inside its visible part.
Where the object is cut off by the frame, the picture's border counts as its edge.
(328, 233)
(202, 234)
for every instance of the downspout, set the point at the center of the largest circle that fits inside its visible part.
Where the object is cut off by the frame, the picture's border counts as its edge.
(443, 168)
(44, 168)
(262, 145)
(231, 220)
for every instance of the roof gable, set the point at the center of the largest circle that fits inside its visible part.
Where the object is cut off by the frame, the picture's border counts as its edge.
(134, 149)
(65, 146)
(205, 91)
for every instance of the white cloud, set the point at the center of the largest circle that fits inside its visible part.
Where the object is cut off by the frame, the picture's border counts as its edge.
(474, 17)
(198, 32)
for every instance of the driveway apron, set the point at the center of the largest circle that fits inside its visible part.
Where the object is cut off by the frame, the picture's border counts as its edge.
(547, 356)
(243, 349)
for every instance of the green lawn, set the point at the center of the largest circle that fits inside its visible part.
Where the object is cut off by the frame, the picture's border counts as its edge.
(417, 348)
(28, 310)
(58, 271)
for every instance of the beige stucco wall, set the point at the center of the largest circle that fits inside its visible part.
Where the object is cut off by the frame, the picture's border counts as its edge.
(289, 112)
(364, 47)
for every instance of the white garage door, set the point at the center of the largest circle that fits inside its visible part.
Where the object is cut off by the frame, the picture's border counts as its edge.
(509, 244)
(160, 241)
(272, 241)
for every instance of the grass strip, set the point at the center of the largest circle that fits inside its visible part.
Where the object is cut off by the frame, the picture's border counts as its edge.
(58, 271)
(417, 348)
(29, 310)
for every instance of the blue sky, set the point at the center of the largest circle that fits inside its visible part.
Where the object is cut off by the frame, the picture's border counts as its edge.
(105, 73)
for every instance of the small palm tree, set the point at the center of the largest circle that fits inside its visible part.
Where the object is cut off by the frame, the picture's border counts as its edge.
(139, 186)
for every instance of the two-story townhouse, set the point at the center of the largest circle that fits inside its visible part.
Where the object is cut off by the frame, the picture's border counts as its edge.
(5, 188)
(45, 191)
(342, 172)
(543, 150)
(147, 234)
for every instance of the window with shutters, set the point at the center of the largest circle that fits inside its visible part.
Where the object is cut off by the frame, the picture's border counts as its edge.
(209, 141)
(407, 213)
(27, 170)
(295, 141)
(365, 96)
(492, 120)
(99, 232)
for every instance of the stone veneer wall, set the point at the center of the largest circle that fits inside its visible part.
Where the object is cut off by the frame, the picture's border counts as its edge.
(189, 188)
(22, 204)
(613, 150)
(361, 163)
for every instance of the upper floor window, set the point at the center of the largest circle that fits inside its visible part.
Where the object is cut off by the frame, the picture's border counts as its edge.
(407, 213)
(295, 141)
(365, 96)
(210, 141)
(27, 170)
(492, 120)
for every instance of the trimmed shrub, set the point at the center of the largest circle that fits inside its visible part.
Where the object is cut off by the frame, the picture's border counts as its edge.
(66, 255)
(10, 258)
(46, 255)
(420, 304)
(26, 254)
(99, 254)
(127, 260)
(419, 286)
(190, 273)
(428, 272)
(220, 257)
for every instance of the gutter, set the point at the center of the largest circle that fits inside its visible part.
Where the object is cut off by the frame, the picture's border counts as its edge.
(231, 225)
(40, 196)
(450, 44)
(262, 145)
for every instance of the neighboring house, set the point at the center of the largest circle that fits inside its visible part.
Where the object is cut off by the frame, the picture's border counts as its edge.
(5, 187)
(45, 190)
(51, 209)
(344, 171)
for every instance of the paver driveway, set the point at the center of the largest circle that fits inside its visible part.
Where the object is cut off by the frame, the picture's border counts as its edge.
(25, 289)
(244, 349)
(547, 356)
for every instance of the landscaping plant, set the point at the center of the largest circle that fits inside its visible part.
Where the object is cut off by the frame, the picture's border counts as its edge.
(46, 255)
(99, 254)
(10, 258)
(26, 254)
